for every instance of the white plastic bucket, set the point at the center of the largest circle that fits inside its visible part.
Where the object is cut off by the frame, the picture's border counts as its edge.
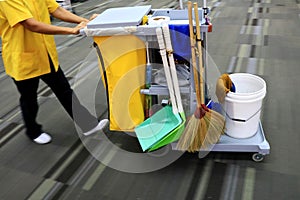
(243, 107)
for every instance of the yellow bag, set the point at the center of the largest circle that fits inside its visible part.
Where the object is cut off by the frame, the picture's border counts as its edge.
(124, 60)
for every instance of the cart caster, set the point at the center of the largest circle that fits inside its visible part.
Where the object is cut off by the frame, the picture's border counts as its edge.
(257, 157)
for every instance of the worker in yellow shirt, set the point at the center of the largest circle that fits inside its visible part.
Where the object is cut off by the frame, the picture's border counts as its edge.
(29, 55)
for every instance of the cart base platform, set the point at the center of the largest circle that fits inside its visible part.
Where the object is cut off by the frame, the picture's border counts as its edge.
(256, 144)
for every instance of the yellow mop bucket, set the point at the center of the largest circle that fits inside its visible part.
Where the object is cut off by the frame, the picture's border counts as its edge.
(122, 61)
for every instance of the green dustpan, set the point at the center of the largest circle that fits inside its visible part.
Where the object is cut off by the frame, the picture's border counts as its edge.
(168, 123)
(155, 128)
(172, 136)
(176, 133)
(166, 120)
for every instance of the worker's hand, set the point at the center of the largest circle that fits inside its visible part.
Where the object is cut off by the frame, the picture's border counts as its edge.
(76, 29)
(93, 16)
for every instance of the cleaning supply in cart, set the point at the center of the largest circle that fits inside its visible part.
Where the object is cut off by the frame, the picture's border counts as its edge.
(243, 107)
(183, 75)
(158, 20)
(152, 132)
(176, 133)
(148, 98)
(224, 85)
(145, 20)
(180, 40)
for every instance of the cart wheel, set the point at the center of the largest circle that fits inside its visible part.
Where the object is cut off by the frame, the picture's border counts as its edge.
(257, 157)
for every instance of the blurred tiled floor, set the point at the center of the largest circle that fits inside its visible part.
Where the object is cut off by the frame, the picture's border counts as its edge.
(256, 36)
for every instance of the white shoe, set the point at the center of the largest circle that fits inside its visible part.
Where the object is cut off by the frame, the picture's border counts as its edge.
(99, 127)
(44, 138)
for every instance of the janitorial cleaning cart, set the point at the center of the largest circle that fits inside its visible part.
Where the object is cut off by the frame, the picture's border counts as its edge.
(146, 57)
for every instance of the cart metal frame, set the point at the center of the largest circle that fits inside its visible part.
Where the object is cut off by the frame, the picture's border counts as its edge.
(257, 144)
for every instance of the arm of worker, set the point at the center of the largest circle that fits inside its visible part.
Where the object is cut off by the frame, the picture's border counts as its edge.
(67, 16)
(39, 27)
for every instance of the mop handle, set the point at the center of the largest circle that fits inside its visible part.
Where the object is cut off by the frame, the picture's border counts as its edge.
(148, 67)
(147, 52)
(198, 39)
(169, 49)
(205, 12)
(163, 54)
(204, 3)
(192, 42)
(181, 4)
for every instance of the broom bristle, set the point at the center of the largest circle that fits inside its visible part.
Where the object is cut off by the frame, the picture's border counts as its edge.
(203, 133)
(200, 136)
(189, 134)
(216, 125)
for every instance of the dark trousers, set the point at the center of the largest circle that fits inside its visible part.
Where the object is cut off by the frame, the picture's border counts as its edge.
(62, 89)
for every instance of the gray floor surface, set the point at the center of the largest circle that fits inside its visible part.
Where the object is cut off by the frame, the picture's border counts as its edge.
(261, 37)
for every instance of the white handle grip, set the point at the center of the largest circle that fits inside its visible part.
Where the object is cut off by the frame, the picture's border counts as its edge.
(160, 39)
(173, 67)
(167, 37)
(163, 54)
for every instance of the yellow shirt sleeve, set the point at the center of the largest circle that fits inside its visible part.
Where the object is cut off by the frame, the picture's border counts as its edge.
(14, 11)
(52, 5)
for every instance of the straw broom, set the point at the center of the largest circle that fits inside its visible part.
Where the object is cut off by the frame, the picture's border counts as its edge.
(215, 122)
(205, 126)
(188, 139)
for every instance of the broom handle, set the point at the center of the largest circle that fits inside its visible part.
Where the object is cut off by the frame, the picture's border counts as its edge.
(163, 54)
(192, 42)
(198, 39)
(169, 49)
